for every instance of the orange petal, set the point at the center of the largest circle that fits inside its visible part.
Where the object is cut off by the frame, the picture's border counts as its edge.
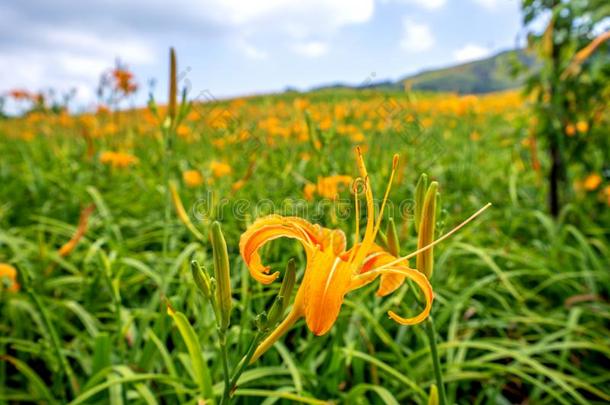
(273, 227)
(327, 280)
(403, 272)
(376, 257)
(423, 283)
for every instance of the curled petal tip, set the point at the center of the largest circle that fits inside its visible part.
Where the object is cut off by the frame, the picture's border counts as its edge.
(407, 321)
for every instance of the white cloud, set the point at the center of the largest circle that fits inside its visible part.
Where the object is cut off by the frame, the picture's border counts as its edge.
(66, 44)
(488, 4)
(251, 51)
(311, 49)
(470, 52)
(427, 4)
(310, 16)
(67, 59)
(416, 36)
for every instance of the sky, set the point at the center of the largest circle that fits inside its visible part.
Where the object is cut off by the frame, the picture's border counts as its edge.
(242, 47)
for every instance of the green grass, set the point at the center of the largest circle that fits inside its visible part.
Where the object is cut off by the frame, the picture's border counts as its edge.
(95, 329)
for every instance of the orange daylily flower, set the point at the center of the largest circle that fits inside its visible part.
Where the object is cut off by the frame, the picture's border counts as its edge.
(592, 181)
(332, 271)
(192, 178)
(8, 278)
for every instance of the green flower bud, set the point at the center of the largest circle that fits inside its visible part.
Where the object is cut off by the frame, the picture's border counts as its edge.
(425, 259)
(222, 275)
(420, 193)
(393, 243)
(281, 302)
(173, 86)
(201, 278)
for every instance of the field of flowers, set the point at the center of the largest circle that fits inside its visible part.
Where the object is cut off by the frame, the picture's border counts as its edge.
(129, 245)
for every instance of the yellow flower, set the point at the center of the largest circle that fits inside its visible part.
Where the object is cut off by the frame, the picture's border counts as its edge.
(570, 130)
(582, 126)
(327, 187)
(592, 182)
(309, 191)
(332, 270)
(357, 137)
(8, 278)
(184, 132)
(192, 178)
(475, 136)
(220, 169)
(118, 159)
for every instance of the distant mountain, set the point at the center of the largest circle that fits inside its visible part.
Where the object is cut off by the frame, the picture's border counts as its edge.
(481, 76)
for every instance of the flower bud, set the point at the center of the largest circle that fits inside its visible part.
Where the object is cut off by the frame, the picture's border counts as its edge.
(221, 274)
(201, 278)
(420, 192)
(392, 242)
(425, 259)
(281, 302)
(173, 87)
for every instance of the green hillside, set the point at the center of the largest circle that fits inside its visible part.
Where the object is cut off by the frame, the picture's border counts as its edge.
(481, 76)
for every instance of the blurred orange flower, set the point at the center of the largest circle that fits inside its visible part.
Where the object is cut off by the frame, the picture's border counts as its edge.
(327, 187)
(220, 169)
(124, 81)
(582, 126)
(8, 278)
(592, 182)
(118, 159)
(192, 178)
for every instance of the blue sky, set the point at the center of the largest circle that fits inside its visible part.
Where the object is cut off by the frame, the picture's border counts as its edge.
(237, 47)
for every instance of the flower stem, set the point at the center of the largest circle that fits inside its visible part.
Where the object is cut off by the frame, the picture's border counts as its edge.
(240, 368)
(431, 333)
(225, 367)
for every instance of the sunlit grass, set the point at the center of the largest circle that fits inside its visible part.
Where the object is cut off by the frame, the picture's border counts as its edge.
(521, 301)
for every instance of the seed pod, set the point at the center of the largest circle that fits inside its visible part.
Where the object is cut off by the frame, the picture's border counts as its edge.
(173, 86)
(221, 274)
(420, 192)
(201, 278)
(425, 259)
(393, 243)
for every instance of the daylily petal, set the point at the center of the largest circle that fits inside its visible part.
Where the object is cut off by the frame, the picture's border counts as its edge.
(376, 257)
(400, 271)
(423, 283)
(326, 284)
(273, 227)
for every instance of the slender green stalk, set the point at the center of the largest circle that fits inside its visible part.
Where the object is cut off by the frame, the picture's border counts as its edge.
(242, 365)
(431, 333)
(225, 367)
(55, 343)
